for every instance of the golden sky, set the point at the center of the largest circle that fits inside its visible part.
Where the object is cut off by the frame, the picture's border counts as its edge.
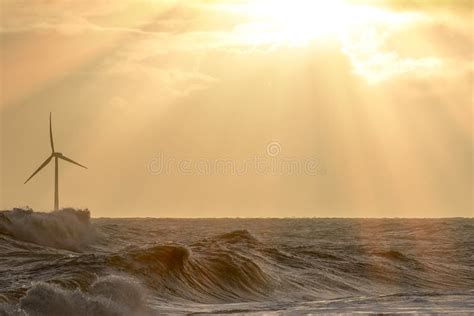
(377, 95)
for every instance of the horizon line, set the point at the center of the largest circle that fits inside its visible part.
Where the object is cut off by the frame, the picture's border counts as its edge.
(269, 217)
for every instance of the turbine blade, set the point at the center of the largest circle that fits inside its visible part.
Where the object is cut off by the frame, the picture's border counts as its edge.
(40, 167)
(72, 161)
(51, 133)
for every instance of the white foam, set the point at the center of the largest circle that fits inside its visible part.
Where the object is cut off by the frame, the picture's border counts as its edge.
(112, 295)
(67, 228)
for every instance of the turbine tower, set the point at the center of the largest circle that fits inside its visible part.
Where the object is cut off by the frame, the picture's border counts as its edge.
(56, 155)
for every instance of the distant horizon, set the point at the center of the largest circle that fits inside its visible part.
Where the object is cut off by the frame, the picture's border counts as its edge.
(230, 217)
(257, 218)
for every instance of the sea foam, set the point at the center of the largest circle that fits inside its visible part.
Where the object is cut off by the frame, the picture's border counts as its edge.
(111, 295)
(67, 228)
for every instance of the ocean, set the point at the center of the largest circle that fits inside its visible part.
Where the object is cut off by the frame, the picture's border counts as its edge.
(66, 263)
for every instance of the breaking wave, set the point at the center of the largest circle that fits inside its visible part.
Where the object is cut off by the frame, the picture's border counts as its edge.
(68, 228)
(112, 295)
(212, 274)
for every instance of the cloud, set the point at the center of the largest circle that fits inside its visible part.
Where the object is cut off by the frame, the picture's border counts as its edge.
(422, 5)
(165, 39)
(426, 44)
(170, 81)
(20, 16)
(127, 16)
(443, 38)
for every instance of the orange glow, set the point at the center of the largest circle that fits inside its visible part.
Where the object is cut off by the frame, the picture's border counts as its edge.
(381, 94)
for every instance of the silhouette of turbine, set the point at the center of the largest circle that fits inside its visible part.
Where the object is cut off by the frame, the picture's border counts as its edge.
(56, 155)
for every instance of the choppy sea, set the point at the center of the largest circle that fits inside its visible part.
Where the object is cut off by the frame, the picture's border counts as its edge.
(65, 263)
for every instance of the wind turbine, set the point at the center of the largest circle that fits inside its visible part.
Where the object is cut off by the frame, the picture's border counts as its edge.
(56, 155)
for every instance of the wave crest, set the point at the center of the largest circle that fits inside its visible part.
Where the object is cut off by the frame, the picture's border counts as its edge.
(112, 295)
(214, 275)
(67, 228)
(237, 236)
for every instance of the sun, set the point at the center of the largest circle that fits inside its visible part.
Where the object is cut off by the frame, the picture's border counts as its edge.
(360, 31)
(299, 21)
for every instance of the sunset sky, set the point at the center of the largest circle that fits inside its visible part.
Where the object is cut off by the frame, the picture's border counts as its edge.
(378, 93)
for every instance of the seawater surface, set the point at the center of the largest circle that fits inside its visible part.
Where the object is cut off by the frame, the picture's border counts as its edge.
(64, 263)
